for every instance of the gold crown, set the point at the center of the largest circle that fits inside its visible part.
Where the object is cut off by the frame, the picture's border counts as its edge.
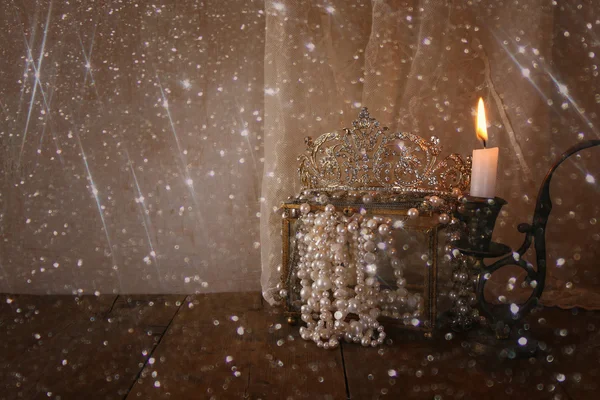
(369, 157)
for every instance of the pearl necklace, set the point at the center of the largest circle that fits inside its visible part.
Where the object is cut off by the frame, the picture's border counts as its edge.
(337, 268)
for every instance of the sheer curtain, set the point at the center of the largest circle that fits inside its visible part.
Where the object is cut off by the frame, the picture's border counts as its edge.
(420, 66)
(131, 135)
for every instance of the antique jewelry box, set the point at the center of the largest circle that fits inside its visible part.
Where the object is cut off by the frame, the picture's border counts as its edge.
(401, 199)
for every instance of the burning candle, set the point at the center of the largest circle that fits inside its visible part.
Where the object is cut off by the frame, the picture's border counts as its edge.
(485, 161)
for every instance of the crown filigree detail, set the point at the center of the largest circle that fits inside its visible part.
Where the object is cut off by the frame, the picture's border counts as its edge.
(369, 157)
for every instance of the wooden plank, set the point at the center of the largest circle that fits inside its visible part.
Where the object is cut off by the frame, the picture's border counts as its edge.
(192, 360)
(283, 365)
(30, 328)
(154, 312)
(571, 348)
(29, 320)
(417, 368)
(225, 345)
(99, 355)
(85, 351)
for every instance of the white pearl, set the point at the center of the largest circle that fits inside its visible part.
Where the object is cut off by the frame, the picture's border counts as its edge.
(325, 333)
(371, 269)
(304, 208)
(339, 282)
(443, 218)
(367, 198)
(412, 213)
(369, 246)
(412, 302)
(355, 328)
(353, 226)
(384, 229)
(436, 201)
(352, 306)
(302, 274)
(305, 293)
(340, 304)
(370, 257)
(336, 247)
(330, 208)
(323, 284)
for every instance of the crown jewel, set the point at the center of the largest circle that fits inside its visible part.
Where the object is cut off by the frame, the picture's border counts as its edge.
(370, 157)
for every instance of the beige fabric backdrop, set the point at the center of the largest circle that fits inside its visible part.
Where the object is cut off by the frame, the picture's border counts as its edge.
(420, 66)
(134, 164)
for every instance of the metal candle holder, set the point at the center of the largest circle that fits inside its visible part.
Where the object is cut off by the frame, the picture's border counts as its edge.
(479, 218)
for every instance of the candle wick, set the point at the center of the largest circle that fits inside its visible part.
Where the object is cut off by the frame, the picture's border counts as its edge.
(484, 143)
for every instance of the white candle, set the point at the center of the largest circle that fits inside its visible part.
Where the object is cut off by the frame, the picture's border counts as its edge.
(483, 174)
(485, 161)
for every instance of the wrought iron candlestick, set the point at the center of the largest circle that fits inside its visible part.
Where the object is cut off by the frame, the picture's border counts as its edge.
(479, 218)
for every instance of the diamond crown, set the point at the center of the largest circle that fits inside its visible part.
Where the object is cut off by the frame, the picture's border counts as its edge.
(369, 157)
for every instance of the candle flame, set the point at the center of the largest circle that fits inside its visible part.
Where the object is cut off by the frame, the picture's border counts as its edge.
(481, 122)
